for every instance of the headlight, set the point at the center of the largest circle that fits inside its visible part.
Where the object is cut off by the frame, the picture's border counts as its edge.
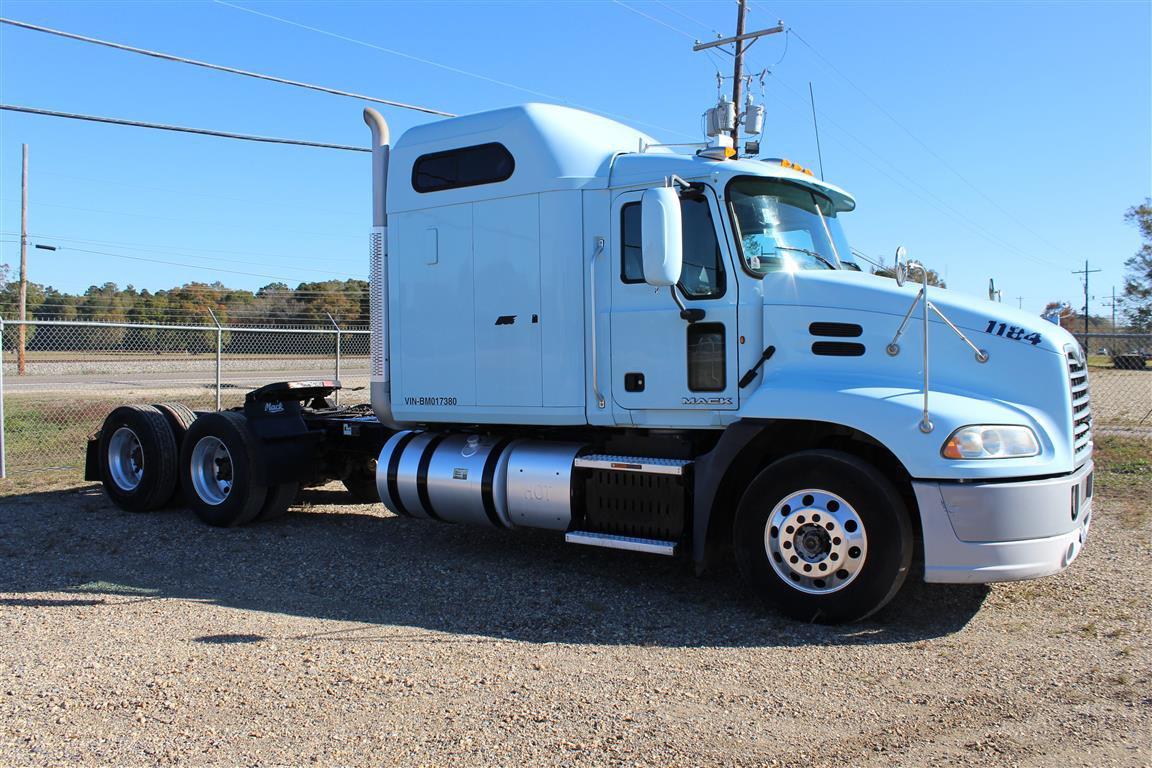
(991, 441)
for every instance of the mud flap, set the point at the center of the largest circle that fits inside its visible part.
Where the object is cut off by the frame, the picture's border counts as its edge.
(92, 459)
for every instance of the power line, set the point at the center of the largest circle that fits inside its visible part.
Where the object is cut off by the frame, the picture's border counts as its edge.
(173, 263)
(185, 192)
(860, 254)
(927, 148)
(155, 248)
(180, 129)
(662, 23)
(692, 19)
(183, 220)
(222, 68)
(307, 270)
(934, 201)
(439, 65)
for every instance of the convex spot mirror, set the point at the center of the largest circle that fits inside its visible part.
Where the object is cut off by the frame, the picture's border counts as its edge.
(661, 236)
(900, 268)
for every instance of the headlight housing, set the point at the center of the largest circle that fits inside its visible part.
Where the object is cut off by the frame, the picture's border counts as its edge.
(991, 441)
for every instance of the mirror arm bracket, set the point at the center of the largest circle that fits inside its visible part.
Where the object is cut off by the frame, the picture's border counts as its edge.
(691, 315)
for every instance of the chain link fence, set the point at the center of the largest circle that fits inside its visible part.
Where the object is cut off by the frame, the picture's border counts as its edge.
(1120, 375)
(73, 373)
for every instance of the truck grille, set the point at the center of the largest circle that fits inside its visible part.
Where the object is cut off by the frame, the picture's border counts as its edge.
(1081, 402)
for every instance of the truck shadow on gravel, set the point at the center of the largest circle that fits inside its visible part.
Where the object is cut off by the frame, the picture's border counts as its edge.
(360, 564)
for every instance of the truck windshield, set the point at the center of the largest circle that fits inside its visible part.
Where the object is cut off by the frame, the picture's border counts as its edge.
(785, 227)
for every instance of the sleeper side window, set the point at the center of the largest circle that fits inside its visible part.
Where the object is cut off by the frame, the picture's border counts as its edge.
(465, 167)
(703, 275)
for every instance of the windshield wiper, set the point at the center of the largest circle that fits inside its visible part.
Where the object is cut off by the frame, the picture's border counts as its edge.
(805, 250)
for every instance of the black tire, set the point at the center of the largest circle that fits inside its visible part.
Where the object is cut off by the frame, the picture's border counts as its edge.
(179, 417)
(279, 498)
(829, 560)
(362, 485)
(221, 486)
(138, 455)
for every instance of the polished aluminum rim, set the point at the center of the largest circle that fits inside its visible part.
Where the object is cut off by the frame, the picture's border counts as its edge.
(125, 459)
(211, 470)
(815, 541)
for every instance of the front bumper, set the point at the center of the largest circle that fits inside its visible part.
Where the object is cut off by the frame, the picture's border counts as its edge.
(975, 533)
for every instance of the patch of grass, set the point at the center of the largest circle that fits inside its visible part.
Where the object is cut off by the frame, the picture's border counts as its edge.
(1124, 477)
(51, 433)
(19, 483)
(1125, 455)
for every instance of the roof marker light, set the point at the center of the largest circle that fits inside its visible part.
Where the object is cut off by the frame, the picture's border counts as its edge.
(720, 149)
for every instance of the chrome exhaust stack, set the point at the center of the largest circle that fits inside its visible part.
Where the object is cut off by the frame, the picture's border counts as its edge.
(381, 382)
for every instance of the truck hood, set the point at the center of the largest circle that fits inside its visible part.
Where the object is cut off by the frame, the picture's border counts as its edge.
(831, 331)
(979, 318)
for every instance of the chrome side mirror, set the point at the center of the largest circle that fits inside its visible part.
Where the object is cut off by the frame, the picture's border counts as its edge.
(900, 268)
(661, 231)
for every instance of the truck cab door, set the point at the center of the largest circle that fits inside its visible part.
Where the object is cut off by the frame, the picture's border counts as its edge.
(660, 361)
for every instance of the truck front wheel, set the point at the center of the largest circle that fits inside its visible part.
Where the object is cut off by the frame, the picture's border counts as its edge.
(823, 536)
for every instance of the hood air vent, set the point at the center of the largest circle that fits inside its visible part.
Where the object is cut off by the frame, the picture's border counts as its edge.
(838, 330)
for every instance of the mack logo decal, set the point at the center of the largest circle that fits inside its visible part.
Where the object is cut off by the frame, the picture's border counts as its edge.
(273, 406)
(706, 401)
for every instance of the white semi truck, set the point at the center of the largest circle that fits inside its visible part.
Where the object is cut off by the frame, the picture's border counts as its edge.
(577, 329)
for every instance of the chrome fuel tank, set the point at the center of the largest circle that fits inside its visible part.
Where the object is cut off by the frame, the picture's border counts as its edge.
(478, 479)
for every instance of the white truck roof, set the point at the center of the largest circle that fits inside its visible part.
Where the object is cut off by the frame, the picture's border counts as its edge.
(559, 148)
(554, 148)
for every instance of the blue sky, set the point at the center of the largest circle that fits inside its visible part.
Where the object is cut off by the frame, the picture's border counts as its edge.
(997, 140)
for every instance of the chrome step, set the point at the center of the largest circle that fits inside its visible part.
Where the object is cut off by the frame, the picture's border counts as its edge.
(647, 464)
(612, 541)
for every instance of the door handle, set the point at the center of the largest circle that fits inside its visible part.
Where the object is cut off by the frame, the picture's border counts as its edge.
(600, 402)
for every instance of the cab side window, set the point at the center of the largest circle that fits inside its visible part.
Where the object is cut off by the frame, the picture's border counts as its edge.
(703, 275)
(632, 266)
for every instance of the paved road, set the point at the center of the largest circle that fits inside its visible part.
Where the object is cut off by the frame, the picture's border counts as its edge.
(158, 379)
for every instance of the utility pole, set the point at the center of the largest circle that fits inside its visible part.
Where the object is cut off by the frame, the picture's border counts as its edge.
(1020, 302)
(1112, 304)
(738, 73)
(23, 260)
(1085, 272)
(740, 38)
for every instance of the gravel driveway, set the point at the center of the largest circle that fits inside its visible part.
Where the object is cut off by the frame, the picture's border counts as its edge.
(342, 635)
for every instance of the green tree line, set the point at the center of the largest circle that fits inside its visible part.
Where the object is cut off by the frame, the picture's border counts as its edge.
(275, 305)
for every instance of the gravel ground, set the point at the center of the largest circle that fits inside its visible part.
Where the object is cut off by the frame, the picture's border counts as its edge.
(342, 635)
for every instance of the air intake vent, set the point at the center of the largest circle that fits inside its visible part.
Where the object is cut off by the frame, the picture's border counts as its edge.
(838, 348)
(1081, 402)
(841, 330)
(375, 303)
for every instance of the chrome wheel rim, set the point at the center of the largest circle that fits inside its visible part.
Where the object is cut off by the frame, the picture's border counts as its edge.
(815, 541)
(211, 470)
(125, 459)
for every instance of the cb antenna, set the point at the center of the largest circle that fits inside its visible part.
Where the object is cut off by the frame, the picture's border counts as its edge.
(816, 128)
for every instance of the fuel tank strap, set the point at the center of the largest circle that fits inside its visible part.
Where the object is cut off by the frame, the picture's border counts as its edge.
(393, 472)
(422, 475)
(488, 480)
